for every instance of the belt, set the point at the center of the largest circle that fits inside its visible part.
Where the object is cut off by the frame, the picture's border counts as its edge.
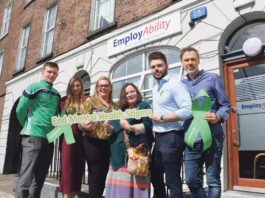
(157, 134)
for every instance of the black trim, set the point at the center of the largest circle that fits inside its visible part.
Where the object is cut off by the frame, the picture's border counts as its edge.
(32, 96)
(18, 72)
(27, 5)
(45, 58)
(4, 36)
(101, 31)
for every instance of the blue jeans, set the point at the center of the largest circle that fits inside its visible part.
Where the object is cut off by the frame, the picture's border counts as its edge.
(166, 158)
(194, 159)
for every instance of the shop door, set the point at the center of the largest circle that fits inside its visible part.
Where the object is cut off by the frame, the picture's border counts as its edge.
(245, 86)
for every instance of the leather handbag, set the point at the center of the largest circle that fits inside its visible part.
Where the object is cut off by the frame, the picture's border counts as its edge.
(138, 158)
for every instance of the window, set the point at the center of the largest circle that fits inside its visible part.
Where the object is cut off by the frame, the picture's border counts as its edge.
(102, 13)
(28, 1)
(136, 70)
(249, 31)
(6, 19)
(22, 48)
(1, 61)
(48, 31)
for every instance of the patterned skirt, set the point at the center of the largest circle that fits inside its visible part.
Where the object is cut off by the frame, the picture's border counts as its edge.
(121, 184)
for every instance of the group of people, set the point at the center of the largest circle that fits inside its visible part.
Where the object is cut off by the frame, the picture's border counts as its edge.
(102, 144)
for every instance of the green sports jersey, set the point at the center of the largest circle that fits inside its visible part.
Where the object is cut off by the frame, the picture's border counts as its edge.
(38, 103)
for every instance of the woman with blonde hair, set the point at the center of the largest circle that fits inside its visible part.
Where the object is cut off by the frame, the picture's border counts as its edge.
(95, 136)
(72, 158)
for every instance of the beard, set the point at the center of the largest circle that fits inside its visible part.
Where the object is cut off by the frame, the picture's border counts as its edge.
(162, 76)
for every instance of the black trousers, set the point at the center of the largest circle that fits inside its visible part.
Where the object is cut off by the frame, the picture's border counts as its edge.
(97, 154)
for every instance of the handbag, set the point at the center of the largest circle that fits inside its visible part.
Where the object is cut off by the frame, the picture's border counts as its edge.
(138, 158)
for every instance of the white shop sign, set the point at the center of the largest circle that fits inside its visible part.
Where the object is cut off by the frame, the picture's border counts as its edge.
(151, 31)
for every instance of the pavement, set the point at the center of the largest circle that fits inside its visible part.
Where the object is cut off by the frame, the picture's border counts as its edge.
(7, 189)
(7, 186)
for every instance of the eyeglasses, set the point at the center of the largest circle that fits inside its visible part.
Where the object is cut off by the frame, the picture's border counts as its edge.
(104, 86)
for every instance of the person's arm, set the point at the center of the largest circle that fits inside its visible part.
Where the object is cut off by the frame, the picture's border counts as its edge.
(24, 105)
(222, 101)
(183, 101)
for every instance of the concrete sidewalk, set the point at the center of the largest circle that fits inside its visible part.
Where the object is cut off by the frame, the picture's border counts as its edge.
(7, 186)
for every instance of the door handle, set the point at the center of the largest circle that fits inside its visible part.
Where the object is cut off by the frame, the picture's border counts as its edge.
(236, 143)
(233, 109)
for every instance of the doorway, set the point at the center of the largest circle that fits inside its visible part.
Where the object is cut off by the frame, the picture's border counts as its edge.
(245, 86)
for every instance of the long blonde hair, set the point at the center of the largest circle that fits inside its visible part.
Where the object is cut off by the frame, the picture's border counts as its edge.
(95, 95)
(70, 97)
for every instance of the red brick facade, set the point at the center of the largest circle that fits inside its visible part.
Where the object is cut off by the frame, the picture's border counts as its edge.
(71, 29)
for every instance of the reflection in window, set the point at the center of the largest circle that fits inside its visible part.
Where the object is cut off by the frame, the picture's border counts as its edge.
(48, 31)
(22, 48)
(1, 61)
(253, 30)
(6, 19)
(136, 70)
(102, 13)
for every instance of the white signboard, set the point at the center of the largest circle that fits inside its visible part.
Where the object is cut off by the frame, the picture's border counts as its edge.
(253, 106)
(154, 30)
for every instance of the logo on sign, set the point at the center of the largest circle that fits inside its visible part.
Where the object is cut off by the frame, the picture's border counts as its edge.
(253, 106)
(148, 30)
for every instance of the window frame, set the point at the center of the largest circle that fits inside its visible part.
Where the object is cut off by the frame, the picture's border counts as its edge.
(94, 13)
(19, 66)
(144, 71)
(2, 53)
(45, 31)
(5, 21)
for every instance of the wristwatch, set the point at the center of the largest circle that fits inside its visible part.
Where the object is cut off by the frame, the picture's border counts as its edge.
(161, 119)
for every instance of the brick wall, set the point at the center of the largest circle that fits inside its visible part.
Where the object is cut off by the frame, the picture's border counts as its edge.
(71, 29)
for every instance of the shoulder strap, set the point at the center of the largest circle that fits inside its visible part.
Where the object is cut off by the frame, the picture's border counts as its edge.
(126, 139)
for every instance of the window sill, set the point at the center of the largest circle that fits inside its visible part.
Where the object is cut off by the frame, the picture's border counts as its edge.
(99, 32)
(2, 37)
(27, 5)
(44, 58)
(15, 73)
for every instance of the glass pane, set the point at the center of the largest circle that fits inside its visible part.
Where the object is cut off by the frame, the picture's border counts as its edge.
(116, 88)
(135, 81)
(172, 55)
(104, 14)
(6, 27)
(52, 18)
(149, 82)
(134, 64)
(22, 58)
(26, 36)
(48, 43)
(120, 71)
(174, 72)
(1, 61)
(250, 104)
(253, 31)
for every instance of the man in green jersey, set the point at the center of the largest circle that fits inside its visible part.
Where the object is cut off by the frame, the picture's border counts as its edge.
(38, 103)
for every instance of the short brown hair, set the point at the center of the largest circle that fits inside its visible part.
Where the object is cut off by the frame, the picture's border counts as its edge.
(188, 49)
(50, 64)
(157, 55)
(123, 104)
